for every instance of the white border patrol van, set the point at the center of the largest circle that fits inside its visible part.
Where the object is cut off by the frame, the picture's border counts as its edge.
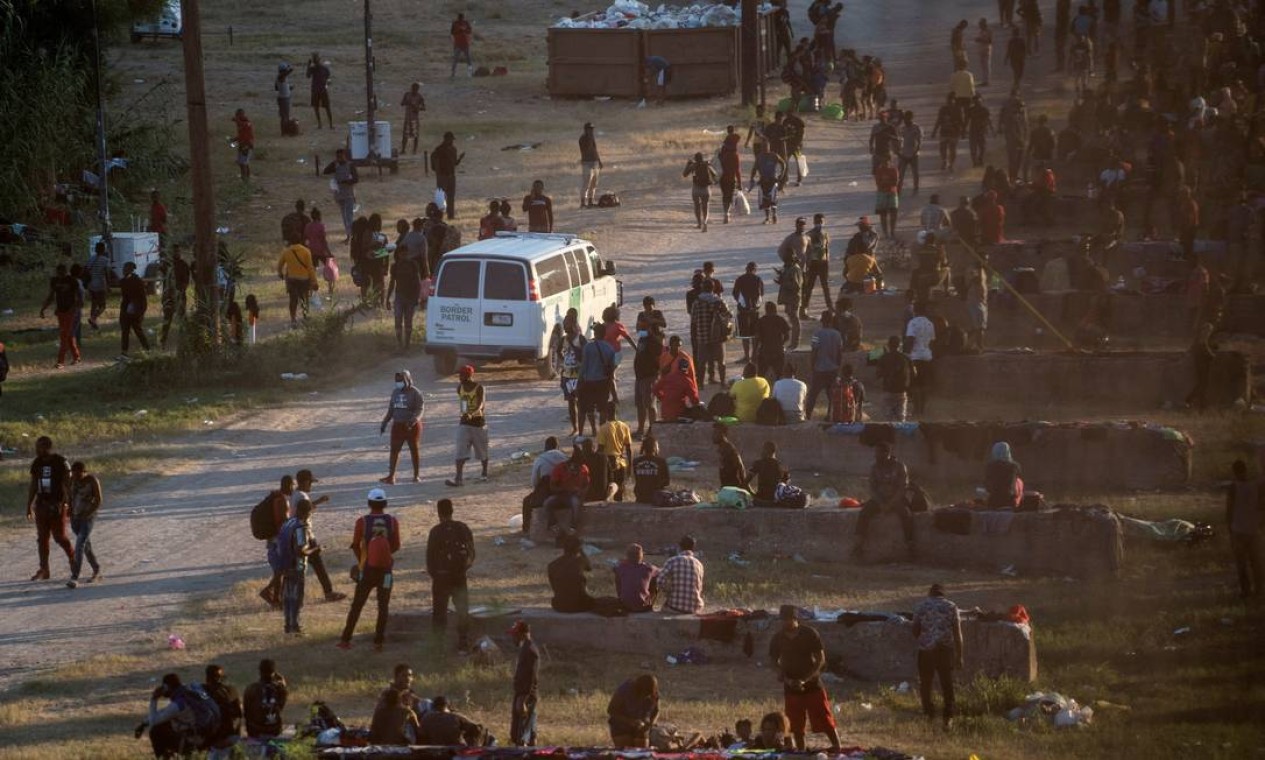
(504, 298)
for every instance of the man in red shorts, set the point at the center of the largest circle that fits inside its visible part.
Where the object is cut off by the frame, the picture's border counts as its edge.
(404, 413)
(797, 652)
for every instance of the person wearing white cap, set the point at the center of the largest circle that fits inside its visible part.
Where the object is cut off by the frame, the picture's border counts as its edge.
(375, 541)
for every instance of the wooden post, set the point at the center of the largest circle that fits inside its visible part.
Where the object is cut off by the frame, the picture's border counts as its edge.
(749, 51)
(205, 252)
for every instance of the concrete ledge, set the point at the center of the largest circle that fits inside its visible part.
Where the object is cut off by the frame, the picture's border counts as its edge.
(1054, 457)
(876, 651)
(1132, 321)
(1046, 543)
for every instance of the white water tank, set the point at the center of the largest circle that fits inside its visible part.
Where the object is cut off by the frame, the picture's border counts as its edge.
(358, 138)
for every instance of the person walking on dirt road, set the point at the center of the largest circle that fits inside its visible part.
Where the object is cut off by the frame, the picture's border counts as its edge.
(47, 500)
(472, 431)
(85, 500)
(375, 541)
(303, 480)
(404, 412)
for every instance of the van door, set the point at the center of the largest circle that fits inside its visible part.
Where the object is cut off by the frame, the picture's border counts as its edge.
(582, 280)
(605, 289)
(508, 317)
(454, 313)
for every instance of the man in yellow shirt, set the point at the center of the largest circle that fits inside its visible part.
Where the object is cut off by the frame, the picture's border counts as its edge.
(748, 393)
(296, 268)
(856, 267)
(614, 440)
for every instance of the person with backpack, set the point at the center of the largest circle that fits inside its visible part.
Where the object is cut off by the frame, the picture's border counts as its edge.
(595, 375)
(817, 269)
(266, 520)
(896, 372)
(472, 430)
(710, 326)
(703, 176)
(847, 398)
(375, 541)
(264, 703)
(294, 545)
(449, 556)
(404, 412)
(220, 744)
(189, 722)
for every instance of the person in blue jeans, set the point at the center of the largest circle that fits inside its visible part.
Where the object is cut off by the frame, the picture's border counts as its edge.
(85, 500)
(297, 531)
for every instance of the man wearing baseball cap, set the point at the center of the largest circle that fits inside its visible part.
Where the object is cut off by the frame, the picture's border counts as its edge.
(303, 480)
(472, 431)
(799, 656)
(526, 687)
(375, 540)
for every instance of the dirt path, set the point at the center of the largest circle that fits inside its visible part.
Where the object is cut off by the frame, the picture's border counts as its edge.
(186, 533)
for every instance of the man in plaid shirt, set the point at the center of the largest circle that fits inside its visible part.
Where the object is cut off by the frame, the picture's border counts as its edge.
(682, 581)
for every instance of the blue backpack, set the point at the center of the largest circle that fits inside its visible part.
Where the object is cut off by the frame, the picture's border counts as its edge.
(205, 713)
(285, 543)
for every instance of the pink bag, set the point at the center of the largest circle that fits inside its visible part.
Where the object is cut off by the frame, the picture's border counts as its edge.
(330, 270)
(428, 284)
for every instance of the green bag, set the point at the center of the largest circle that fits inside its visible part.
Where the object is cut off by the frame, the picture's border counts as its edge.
(731, 497)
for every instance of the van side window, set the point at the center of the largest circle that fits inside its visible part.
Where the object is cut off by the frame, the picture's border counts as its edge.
(552, 275)
(459, 279)
(504, 281)
(578, 258)
(596, 261)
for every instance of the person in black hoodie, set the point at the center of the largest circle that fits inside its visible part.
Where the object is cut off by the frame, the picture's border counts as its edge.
(132, 308)
(444, 161)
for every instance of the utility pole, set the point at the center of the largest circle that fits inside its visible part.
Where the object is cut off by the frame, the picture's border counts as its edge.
(103, 187)
(750, 51)
(205, 252)
(370, 64)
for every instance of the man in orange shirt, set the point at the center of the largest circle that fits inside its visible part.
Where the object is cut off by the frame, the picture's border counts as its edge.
(887, 199)
(245, 142)
(374, 542)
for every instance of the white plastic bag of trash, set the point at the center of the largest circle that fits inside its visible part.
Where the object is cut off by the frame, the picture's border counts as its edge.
(485, 651)
(516, 522)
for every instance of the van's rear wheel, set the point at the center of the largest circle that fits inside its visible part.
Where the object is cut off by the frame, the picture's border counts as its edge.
(445, 363)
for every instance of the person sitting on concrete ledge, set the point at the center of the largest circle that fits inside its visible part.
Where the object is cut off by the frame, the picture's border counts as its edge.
(636, 581)
(567, 578)
(732, 471)
(1001, 478)
(889, 484)
(682, 580)
(767, 472)
(677, 392)
(601, 488)
(650, 472)
(568, 483)
(748, 393)
(541, 469)
(791, 393)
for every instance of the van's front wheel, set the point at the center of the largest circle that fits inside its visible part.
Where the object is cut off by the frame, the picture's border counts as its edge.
(445, 363)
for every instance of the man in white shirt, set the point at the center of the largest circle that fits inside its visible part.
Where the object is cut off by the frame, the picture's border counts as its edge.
(934, 218)
(790, 394)
(919, 334)
(541, 469)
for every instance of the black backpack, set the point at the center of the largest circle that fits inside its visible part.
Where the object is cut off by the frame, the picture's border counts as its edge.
(455, 554)
(770, 412)
(263, 525)
(722, 405)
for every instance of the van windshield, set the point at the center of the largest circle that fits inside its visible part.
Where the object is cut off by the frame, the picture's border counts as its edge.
(459, 279)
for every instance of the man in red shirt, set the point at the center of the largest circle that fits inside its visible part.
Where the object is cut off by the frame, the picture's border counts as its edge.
(462, 34)
(374, 542)
(887, 199)
(568, 483)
